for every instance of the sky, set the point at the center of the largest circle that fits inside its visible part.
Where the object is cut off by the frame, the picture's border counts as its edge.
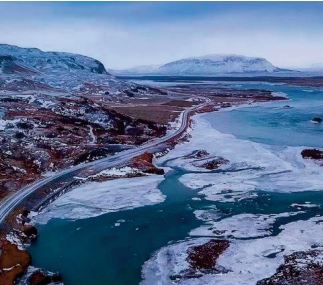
(126, 34)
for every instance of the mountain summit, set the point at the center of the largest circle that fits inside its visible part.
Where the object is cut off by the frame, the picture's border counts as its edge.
(60, 73)
(14, 59)
(208, 65)
(31, 69)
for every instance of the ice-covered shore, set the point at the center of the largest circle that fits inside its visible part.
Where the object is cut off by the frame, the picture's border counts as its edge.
(245, 261)
(252, 166)
(254, 252)
(97, 198)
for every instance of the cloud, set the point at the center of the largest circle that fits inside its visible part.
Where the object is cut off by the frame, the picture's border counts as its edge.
(127, 34)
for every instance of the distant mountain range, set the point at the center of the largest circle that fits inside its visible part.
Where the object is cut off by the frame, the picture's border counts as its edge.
(208, 65)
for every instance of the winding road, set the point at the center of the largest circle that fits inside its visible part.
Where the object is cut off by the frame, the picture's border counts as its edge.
(13, 201)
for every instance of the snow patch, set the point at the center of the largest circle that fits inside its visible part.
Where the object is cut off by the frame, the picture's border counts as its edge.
(252, 166)
(247, 261)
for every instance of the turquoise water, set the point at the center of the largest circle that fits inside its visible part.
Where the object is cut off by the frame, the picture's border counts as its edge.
(275, 123)
(94, 251)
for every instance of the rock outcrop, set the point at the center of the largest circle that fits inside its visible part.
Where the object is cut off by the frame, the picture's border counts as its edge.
(41, 278)
(299, 268)
(204, 257)
(144, 162)
(214, 163)
(315, 154)
(197, 154)
(13, 262)
(317, 120)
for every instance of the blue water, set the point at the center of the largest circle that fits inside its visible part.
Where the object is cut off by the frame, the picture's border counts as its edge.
(274, 123)
(93, 251)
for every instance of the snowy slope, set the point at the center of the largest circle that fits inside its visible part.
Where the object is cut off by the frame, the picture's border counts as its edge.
(218, 64)
(31, 69)
(209, 65)
(37, 60)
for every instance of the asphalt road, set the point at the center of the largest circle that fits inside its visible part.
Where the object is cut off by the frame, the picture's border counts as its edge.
(13, 201)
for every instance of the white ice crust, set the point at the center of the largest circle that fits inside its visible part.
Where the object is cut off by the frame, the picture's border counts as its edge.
(98, 198)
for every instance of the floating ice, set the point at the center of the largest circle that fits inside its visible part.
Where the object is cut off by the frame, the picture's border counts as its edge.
(97, 198)
(247, 261)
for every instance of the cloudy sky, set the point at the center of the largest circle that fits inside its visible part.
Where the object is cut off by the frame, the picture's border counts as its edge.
(125, 34)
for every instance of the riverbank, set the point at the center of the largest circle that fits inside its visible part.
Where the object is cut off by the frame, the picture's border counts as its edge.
(265, 201)
(217, 103)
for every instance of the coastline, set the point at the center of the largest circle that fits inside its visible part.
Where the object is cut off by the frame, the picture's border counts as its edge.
(172, 143)
(276, 240)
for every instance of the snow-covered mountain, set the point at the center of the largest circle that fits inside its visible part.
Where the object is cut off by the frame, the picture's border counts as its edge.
(15, 59)
(31, 69)
(141, 69)
(208, 65)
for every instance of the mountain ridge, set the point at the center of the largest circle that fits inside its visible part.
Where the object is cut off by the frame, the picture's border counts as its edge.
(14, 59)
(212, 64)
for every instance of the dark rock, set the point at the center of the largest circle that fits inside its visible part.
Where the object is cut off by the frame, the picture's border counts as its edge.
(134, 131)
(317, 120)
(215, 163)
(19, 135)
(25, 125)
(226, 105)
(41, 278)
(100, 69)
(30, 232)
(312, 153)
(92, 155)
(129, 93)
(198, 154)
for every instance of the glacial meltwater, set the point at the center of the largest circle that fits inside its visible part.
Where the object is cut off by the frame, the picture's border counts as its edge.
(265, 201)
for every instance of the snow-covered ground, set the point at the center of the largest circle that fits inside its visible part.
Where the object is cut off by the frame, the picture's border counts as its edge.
(25, 69)
(238, 226)
(117, 172)
(254, 252)
(5, 123)
(246, 261)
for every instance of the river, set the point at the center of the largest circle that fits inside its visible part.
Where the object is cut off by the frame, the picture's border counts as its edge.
(266, 177)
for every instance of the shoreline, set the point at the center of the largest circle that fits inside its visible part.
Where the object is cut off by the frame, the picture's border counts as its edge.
(209, 108)
(169, 254)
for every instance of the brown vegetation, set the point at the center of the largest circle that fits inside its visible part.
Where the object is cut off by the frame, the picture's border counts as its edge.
(13, 262)
(144, 162)
(204, 257)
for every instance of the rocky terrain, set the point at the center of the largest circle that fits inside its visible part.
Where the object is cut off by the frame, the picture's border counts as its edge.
(30, 69)
(45, 133)
(304, 267)
(55, 111)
